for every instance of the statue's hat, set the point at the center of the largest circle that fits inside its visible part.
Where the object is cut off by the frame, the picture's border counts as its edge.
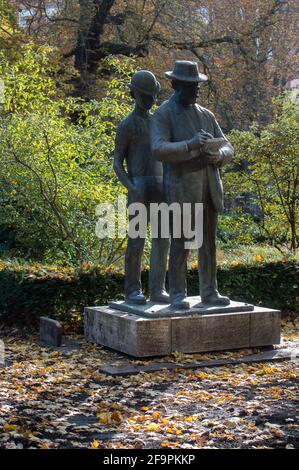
(186, 71)
(145, 82)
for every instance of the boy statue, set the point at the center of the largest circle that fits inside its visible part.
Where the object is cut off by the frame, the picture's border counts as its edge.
(143, 178)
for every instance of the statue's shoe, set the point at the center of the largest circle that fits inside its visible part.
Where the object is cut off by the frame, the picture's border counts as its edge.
(160, 297)
(180, 302)
(216, 299)
(136, 297)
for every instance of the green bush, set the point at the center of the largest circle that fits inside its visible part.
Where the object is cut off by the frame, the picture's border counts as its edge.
(237, 228)
(274, 285)
(54, 171)
(30, 291)
(265, 167)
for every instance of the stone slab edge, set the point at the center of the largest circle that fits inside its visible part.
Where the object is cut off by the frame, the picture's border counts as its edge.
(267, 356)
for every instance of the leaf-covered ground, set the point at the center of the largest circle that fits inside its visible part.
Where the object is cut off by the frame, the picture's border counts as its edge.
(54, 400)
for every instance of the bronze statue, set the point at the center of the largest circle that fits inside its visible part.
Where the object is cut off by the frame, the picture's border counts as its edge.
(191, 175)
(143, 178)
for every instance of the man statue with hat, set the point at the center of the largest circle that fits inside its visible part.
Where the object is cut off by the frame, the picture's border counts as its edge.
(180, 132)
(143, 178)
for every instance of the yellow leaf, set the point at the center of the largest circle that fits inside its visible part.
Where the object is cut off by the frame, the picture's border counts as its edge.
(277, 433)
(10, 427)
(190, 419)
(115, 406)
(265, 371)
(156, 414)
(164, 421)
(202, 375)
(170, 431)
(166, 444)
(104, 418)
(235, 263)
(116, 416)
(152, 427)
(144, 408)
(95, 444)
(44, 445)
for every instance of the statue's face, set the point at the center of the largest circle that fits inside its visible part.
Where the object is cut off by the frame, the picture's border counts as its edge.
(187, 92)
(144, 101)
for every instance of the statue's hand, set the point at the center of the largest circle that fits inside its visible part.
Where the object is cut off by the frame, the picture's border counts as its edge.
(208, 135)
(214, 158)
(198, 140)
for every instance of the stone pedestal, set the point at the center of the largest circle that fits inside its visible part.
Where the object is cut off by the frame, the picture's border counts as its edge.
(156, 330)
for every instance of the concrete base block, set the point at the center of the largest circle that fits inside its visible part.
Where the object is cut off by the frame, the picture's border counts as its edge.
(190, 333)
(127, 332)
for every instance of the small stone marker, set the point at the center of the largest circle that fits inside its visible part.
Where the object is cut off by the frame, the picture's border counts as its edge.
(50, 332)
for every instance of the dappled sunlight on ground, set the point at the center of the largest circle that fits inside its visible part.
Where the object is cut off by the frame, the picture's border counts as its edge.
(54, 400)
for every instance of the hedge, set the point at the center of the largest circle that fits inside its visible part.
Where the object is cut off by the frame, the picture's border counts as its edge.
(28, 292)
